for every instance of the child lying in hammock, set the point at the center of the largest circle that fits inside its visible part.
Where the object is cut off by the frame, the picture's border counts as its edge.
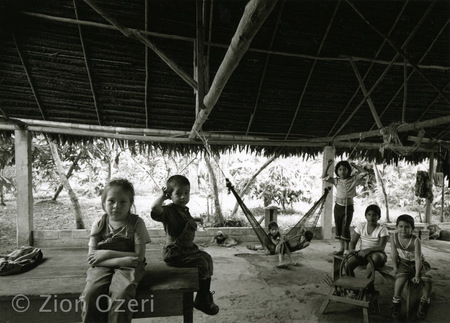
(281, 245)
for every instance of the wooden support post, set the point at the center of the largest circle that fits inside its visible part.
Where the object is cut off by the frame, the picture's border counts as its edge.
(270, 214)
(326, 220)
(428, 205)
(24, 188)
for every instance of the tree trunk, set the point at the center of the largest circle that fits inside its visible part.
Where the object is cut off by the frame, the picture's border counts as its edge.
(250, 181)
(217, 208)
(380, 183)
(2, 198)
(73, 197)
(69, 173)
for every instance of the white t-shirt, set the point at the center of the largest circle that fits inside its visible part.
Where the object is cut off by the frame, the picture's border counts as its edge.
(373, 239)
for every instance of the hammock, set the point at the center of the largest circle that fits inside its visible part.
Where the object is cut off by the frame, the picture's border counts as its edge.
(294, 235)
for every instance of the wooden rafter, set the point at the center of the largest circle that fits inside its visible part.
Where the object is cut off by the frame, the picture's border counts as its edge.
(370, 67)
(366, 94)
(199, 56)
(432, 102)
(378, 81)
(4, 113)
(401, 51)
(312, 69)
(256, 12)
(88, 70)
(147, 117)
(405, 91)
(135, 34)
(413, 71)
(266, 63)
(217, 45)
(27, 72)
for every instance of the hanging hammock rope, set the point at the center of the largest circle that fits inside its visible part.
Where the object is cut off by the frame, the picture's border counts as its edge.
(294, 235)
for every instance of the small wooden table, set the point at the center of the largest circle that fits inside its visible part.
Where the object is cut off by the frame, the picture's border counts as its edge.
(50, 292)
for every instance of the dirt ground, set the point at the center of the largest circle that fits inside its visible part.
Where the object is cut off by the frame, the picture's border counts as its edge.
(248, 288)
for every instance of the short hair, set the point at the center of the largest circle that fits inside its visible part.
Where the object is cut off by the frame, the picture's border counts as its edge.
(273, 225)
(124, 184)
(345, 164)
(174, 181)
(374, 208)
(406, 218)
(308, 235)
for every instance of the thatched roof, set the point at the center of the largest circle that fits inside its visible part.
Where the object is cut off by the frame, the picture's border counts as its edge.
(273, 75)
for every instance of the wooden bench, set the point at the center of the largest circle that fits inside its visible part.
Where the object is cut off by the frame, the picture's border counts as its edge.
(411, 292)
(50, 292)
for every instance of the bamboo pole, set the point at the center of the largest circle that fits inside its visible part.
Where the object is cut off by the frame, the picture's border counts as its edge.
(256, 12)
(378, 81)
(147, 118)
(175, 136)
(311, 70)
(263, 76)
(400, 50)
(28, 74)
(366, 94)
(405, 63)
(399, 15)
(88, 70)
(199, 57)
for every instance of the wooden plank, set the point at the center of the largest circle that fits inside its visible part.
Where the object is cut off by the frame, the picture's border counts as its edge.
(50, 292)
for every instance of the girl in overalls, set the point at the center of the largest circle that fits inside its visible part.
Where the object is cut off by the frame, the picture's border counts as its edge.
(345, 184)
(116, 255)
(180, 249)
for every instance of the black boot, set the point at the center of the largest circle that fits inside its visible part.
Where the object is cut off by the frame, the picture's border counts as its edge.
(204, 299)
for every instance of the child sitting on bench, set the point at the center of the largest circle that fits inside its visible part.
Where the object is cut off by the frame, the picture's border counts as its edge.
(374, 237)
(180, 249)
(116, 255)
(409, 263)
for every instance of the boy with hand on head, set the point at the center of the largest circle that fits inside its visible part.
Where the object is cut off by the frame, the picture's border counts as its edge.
(180, 249)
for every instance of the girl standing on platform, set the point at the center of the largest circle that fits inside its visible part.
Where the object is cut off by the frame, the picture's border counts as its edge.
(116, 255)
(345, 184)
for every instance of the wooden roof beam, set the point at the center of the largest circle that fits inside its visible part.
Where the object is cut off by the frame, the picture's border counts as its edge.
(266, 63)
(366, 94)
(255, 13)
(199, 56)
(312, 68)
(147, 117)
(140, 36)
(401, 51)
(413, 71)
(386, 38)
(27, 72)
(88, 71)
(397, 19)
